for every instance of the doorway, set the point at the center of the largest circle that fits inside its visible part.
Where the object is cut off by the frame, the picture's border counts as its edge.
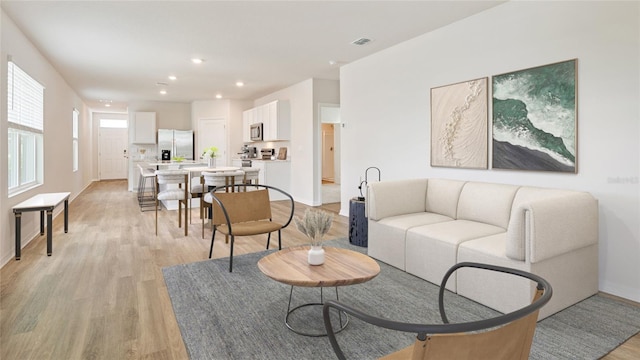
(330, 153)
(113, 149)
(213, 132)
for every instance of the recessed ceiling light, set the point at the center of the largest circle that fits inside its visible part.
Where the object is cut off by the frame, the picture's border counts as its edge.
(239, 84)
(107, 105)
(218, 96)
(197, 61)
(172, 77)
(163, 92)
(332, 62)
(360, 41)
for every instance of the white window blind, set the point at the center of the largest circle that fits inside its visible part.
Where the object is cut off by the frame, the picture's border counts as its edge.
(25, 117)
(25, 100)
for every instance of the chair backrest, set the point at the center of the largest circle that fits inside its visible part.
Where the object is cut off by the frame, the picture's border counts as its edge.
(251, 173)
(219, 178)
(504, 337)
(509, 342)
(241, 206)
(172, 176)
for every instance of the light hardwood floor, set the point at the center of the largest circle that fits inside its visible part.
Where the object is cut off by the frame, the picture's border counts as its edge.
(102, 295)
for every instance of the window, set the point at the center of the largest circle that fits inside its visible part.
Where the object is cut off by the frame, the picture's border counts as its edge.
(74, 136)
(113, 123)
(25, 115)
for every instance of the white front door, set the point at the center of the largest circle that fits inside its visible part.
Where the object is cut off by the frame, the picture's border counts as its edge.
(113, 153)
(213, 132)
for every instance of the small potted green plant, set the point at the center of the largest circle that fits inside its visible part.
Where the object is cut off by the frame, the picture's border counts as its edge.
(209, 154)
(315, 224)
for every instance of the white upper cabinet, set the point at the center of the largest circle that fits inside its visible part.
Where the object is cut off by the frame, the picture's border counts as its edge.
(247, 120)
(144, 128)
(276, 119)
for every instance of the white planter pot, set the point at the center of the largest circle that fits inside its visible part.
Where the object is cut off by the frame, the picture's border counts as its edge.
(316, 255)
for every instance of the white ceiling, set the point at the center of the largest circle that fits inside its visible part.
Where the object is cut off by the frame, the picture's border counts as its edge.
(120, 50)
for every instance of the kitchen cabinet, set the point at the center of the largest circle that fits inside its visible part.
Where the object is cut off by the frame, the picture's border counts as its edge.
(274, 173)
(248, 118)
(276, 119)
(144, 128)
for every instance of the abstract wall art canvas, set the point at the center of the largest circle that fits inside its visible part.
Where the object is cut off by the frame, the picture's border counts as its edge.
(534, 118)
(459, 125)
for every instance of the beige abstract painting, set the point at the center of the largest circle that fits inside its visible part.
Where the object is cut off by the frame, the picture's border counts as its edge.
(459, 125)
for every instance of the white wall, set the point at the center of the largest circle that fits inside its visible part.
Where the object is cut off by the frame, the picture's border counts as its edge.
(59, 102)
(169, 115)
(228, 110)
(386, 109)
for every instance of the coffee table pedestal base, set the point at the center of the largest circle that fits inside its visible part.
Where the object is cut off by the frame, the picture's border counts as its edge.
(343, 323)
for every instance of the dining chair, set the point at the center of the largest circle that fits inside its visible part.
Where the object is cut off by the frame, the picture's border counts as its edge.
(196, 187)
(251, 175)
(181, 194)
(212, 180)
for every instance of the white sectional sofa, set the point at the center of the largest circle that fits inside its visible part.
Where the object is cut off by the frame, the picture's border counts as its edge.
(424, 226)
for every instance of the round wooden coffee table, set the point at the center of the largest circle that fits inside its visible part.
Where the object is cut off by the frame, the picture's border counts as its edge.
(341, 267)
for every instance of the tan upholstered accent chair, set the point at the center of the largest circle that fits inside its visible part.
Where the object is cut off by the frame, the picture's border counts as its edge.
(246, 213)
(505, 337)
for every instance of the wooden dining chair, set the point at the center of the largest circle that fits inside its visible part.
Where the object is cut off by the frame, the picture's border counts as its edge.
(212, 180)
(504, 337)
(181, 193)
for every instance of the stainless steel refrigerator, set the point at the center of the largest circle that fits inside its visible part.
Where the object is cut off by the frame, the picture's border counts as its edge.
(179, 142)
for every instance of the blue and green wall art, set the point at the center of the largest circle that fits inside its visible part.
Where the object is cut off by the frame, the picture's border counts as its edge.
(535, 118)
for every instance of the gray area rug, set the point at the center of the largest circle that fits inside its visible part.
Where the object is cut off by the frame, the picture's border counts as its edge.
(240, 315)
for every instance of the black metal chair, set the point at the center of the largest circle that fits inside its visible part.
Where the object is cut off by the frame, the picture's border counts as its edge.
(507, 336)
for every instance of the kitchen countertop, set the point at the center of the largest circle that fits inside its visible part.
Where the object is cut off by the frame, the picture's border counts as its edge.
(171, 162)
(259, 159)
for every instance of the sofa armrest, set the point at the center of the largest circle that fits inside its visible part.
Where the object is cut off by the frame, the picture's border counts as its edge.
(553, 226)
(397, 197)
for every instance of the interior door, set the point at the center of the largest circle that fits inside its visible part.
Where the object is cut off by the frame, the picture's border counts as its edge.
(213, 132)
(113, 153)
(328, 147)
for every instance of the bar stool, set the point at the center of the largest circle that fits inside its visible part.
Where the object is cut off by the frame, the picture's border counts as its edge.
(146, 192)
(181, 194)
(211, 180)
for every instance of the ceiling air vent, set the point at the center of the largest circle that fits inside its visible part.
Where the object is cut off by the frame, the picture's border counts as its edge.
(361, 41)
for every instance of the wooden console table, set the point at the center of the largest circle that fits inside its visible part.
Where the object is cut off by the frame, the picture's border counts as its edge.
(42, 202)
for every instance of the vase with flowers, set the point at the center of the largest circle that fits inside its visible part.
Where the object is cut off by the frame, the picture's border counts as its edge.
(315, 224)
(209, 154)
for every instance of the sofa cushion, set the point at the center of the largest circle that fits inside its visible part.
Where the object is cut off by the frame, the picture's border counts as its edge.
(432, 249)
(389, 234)
(391, 198)
(442, 196)
(486, 203)
(501, 292)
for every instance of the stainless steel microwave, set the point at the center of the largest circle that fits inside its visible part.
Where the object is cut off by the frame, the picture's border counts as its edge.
(256, 132)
